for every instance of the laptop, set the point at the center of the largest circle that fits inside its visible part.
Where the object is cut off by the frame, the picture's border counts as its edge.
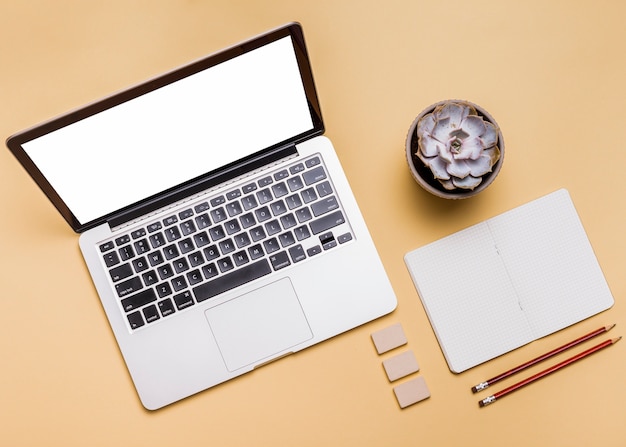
(215, 218)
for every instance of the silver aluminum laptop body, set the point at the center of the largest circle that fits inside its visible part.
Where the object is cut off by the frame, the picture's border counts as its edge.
(183, 159)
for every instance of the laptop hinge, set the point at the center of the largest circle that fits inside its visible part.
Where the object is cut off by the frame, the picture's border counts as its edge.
(201, 184)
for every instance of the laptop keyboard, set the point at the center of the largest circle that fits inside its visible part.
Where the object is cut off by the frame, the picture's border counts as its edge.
(220, 243)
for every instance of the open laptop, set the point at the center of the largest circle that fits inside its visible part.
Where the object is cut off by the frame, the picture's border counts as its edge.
(216, 221)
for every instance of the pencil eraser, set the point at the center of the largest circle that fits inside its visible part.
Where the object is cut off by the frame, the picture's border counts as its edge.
(400, 366)
(411, 392)
(389, 338)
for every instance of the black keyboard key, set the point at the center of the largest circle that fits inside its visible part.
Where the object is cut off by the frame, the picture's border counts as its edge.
(278, 207)
(240, 258)
(232, 226)
(111, 259)
(324, 189)
(231, 195)
(273, 227)
(304, 214)
(154, 227)
(265, 181)
(141, 246)
(217, 200)
(229, 281)
(327, 221)
(286, 239)
(247, 220)
(180, 265)
(295, 183)
(185, 214)
(186, 245)
(280, 260)
(249, 202)
(138, 233)
(217, 233)
(171, 252)
(179, 283)
(264, 196)
(194, 277)
(201, 239)
(242, 240)
(262, 214)
(126, 253)
(151, 314)
(225, 264)
(271, 245)
(188, 227)
(135, 320)
(202, 207)
(157, 240)
(218, 214)
(172, 234)
(316, 250)
(164, 289)
(248, 188)
(106, 246)
(211, 253)
(129, 286)
(203, 221)
(280, 189)
(344, 238)
(155, 258)
(308, 195)
(314, 175)
(121, 272)
(257, 234)
(122, 240)
(138, 300)
(165, 271)
(209, 271)
(227, 246)
(196, 259)
(312, 162)
(256, 252)
(297, 253)
(140, 264)
(150, 278)
(324, 206)
(171, 220)
(166, 307)
(280, 175)
(288, 221)
(183, 300)
(296, 168)
(293, 201)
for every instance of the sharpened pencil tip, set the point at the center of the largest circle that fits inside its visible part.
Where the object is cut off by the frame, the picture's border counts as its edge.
(615, 340)
(608, 328)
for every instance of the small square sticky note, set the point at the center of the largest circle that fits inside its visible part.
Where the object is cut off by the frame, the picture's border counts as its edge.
(411, 392)
(400, 365)
(389, 338)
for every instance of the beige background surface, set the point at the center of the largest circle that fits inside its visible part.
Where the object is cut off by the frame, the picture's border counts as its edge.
(552, 73)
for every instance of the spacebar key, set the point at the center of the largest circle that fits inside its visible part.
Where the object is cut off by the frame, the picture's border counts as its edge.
(231, 280)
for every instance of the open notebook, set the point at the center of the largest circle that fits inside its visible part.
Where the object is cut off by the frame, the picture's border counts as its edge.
(509, 280)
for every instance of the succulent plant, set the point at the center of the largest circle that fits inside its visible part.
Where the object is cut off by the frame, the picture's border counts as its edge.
(457, 144)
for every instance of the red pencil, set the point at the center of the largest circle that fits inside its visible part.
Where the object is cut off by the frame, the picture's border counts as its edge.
(481, 386)
(563, 364)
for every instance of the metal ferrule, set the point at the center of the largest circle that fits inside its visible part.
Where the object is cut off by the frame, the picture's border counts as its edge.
(487, 400)
(481, 386)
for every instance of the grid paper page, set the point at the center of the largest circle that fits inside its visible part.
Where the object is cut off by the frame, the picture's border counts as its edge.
(505, 282)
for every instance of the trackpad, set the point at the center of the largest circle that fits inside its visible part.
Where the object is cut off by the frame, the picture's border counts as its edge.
(258, 325)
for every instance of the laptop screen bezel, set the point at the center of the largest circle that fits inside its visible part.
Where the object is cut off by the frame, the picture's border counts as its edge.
(294, 30)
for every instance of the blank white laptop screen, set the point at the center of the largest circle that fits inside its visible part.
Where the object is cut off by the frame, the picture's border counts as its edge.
(175, 133)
